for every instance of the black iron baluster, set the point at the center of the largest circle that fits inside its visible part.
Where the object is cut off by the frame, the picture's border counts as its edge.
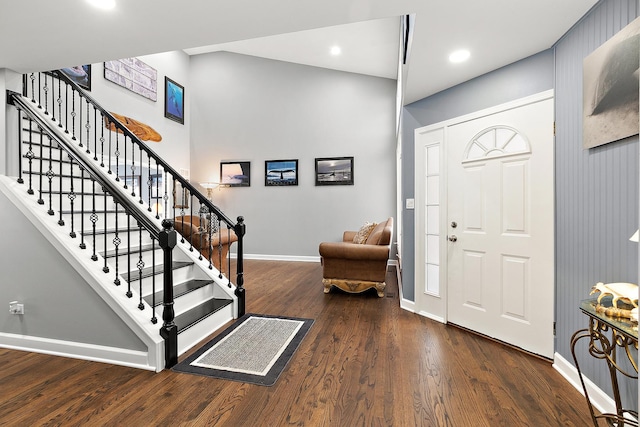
(209, 229)
(60, 220)
(166, 196)
(141, 163)
(95, 135)
(72, 198)
(149, 183)
(66, 108)
(140, 266)
(88, 127)
(108, 126)
(82, 212)
(106, 209)
(94, 218)
(116, 244)
(73, 114)
(30, 155)
(33, 88)
(50, 175)
(95, 151)
(229, 257)
(40, 200)
(20, 135)
(133, 165)
(129, 272)
(58, 101)
(80, 118)
(154, 319)
(45, 89)
(117, 153)
(125, 160)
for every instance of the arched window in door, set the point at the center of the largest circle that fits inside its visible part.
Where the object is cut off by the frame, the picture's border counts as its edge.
(496, 141)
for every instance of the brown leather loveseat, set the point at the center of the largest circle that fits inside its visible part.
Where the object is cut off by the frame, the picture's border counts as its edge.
(356, 267)
(189, 227)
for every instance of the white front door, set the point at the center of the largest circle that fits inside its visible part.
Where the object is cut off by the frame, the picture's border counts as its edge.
(500, 222)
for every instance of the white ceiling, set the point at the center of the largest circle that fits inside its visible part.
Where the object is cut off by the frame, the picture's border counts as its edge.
(52, 34)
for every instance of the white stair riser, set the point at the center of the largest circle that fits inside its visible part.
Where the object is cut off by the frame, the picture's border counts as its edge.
(123, 259)
(124, 238)
(202, 329)
(180, 275)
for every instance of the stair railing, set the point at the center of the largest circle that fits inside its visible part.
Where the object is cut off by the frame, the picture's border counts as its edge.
(117, 151)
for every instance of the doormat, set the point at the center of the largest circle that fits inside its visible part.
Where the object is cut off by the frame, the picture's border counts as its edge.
(255, 349)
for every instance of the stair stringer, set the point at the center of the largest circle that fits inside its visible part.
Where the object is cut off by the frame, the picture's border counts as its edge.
(137, 320)
(124, 307)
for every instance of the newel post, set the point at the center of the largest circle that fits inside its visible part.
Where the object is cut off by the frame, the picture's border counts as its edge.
(169, 331)
(240, 230)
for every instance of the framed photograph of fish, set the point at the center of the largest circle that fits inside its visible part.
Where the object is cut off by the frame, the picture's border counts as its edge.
(235, 174)
(279, 173)
(334, 171)
(173, 100)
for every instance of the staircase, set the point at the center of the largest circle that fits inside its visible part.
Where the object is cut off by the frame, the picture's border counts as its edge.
(98, 184)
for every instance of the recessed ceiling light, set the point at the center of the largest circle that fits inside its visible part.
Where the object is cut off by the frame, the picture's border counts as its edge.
(103, 4)
(335, 50)
(459, 56)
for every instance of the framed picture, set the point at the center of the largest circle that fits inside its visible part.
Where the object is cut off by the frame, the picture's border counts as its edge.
(134, 75)
(278, 173)
(180, 195)
(80, 74)
(235, 174)
(334, 171)
(173, 100)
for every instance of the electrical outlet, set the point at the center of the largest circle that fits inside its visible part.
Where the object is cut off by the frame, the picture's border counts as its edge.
(16, 308)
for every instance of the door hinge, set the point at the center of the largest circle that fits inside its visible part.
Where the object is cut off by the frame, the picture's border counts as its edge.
(554, 128)
(554, 329)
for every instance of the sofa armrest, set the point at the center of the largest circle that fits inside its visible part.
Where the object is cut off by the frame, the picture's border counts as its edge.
(348, 236)
(353, 251)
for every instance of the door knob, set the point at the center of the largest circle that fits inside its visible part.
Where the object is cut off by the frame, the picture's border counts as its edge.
(454, 224)
(453, 238)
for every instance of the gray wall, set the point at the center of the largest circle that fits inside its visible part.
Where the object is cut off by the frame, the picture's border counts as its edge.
(596, 191)
(254, 109)
(523, 78)
(58, 302)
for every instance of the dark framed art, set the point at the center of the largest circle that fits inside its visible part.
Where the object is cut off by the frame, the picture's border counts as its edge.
(334, 171)
(278, 173)
(235, 174)
(80, 74)
(173, 100)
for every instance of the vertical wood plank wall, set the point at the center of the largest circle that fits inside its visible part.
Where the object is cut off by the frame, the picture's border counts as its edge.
(596, 192)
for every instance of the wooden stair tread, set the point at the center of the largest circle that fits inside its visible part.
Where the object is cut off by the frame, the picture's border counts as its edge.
(200, 312)
(178, 290)
(134, 250)
(150, 271)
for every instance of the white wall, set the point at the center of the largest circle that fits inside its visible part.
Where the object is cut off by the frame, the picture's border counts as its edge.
(174, 147)
(252, 109)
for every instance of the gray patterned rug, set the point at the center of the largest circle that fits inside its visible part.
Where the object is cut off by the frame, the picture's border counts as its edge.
(255, 349)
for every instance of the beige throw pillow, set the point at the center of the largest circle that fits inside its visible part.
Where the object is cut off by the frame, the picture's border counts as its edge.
(363, 234)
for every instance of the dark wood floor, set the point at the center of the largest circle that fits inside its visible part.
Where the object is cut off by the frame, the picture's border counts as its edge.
(365, 362)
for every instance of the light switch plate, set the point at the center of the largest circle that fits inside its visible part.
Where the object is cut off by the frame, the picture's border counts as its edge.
(410, 203)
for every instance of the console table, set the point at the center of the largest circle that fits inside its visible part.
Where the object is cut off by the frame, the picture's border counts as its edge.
(609, 336)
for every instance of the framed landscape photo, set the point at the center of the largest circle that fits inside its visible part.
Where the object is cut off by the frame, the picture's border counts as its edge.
(279, 173)
(173, 100)
(235, 174)
(334, 171)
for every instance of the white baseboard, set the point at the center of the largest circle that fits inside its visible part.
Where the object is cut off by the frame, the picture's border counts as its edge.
(599, 399)
(75, 350)
(279, 257)
(432, 317)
